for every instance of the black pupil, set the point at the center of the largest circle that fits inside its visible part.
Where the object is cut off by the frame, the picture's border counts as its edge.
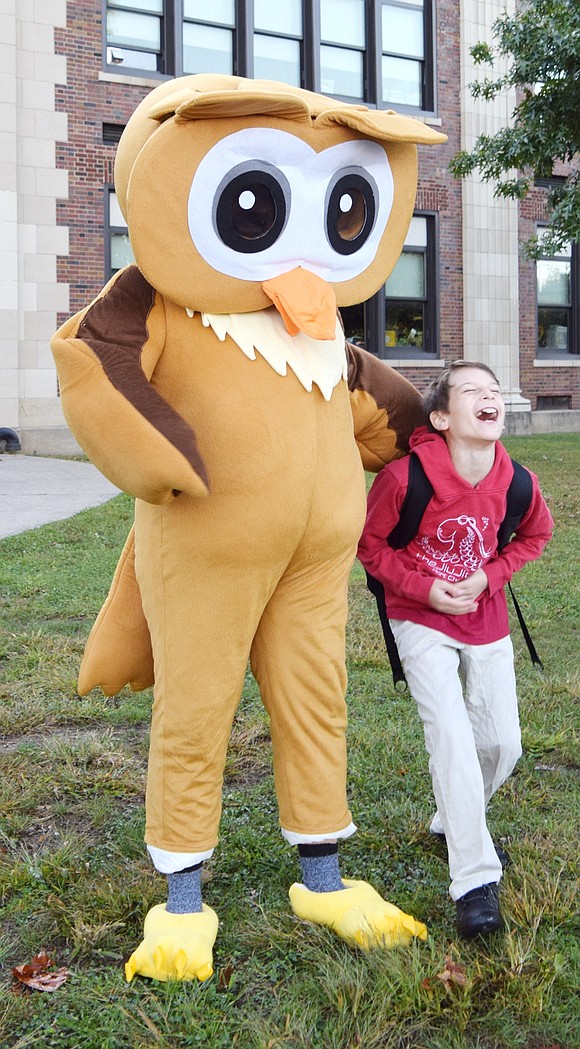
(253, 211)
(351, 215)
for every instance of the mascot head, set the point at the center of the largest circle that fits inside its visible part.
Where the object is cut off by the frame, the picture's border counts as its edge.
(240, 192)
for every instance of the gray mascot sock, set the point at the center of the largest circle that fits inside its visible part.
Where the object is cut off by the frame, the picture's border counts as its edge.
(184, 891)
(320, 871)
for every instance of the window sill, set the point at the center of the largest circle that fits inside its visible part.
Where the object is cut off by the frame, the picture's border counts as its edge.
(571, 360)
(137, 81)
(414, 362)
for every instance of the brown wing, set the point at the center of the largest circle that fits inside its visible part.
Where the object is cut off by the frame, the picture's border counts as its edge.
(118, 651)
(386, 408)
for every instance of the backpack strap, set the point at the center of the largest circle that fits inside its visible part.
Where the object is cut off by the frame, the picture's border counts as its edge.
(519, 498)
(377, 590)
(417, 498)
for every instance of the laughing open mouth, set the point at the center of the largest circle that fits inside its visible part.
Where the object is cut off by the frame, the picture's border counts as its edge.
(487, 414)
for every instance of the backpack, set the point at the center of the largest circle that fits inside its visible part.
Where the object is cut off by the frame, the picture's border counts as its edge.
(417, 498)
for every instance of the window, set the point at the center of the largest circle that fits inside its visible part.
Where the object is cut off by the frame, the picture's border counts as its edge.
(277, 40)
(118, 250)
(400, 321)
(403, 53)
(410, 294)
(135, 34)
(376, 51)
(208, 36)
(554, 403)
(342, 48)
(558, 302)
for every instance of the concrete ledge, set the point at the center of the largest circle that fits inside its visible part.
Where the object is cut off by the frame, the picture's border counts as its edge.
(518, 424)
(556, 422)
(50, 440)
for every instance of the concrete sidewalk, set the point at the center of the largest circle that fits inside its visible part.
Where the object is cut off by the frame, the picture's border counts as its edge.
(35, 491)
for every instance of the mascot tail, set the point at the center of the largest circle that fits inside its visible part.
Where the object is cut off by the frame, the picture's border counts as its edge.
(118, 651)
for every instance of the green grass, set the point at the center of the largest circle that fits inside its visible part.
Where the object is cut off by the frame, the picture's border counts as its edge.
(75, 879)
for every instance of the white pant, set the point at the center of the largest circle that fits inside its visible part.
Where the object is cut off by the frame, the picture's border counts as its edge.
(466, 695)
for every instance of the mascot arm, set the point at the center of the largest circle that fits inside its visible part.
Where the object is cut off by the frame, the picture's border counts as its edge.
(386, 408)
(122, 423)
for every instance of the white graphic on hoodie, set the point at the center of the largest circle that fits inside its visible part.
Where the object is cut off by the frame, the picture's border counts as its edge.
(463, 548)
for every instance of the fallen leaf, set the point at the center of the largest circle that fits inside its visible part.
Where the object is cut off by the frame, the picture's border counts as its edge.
(39, 974)
(452, 975)
(225, 978)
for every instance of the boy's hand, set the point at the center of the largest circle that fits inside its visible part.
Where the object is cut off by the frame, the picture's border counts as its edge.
(473, 586)
(457, 599)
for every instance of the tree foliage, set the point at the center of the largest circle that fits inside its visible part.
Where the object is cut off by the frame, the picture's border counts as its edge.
(541, 45)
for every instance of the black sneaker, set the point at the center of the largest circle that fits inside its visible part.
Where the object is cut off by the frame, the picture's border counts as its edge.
(503, 856)
(478, 912)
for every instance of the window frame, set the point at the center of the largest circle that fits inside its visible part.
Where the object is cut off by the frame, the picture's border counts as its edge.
(428, 81)
(572, 351)
(166, 43)
(109, 230)
(429, 350)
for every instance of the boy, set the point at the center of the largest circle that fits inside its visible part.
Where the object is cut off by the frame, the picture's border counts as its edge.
(448, 612)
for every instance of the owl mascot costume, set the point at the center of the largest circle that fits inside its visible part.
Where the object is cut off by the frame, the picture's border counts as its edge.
(212, 381)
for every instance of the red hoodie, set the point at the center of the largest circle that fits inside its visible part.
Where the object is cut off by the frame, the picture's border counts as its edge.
(457, 535)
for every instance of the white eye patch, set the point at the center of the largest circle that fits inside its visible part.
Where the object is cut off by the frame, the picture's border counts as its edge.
(263, 201)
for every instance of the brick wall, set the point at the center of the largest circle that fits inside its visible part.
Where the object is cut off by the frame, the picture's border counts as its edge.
(555, 380)
(438, 191)
(89, 103)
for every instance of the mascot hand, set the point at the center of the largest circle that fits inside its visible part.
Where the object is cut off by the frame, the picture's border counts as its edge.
(358, 914)
(175, 946)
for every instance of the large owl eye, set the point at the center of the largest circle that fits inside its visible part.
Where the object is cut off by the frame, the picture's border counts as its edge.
(350, 213)
(251, 209)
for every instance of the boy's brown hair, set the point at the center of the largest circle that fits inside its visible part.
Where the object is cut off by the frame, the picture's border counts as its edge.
(436, 396)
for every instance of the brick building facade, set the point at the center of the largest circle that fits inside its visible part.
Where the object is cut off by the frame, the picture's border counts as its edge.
(69, 88)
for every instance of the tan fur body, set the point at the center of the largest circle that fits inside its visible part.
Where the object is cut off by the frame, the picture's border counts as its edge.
(247, 471)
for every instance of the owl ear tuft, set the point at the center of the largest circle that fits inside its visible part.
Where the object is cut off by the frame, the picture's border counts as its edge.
(382, 125)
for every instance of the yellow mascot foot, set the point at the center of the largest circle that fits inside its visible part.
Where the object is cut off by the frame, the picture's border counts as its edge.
(358, 914)
(175, 946)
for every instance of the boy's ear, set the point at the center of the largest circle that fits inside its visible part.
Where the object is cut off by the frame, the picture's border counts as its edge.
(439, 421)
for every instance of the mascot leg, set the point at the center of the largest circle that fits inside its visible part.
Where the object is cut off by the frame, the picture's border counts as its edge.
(298, 659)
(200, 664)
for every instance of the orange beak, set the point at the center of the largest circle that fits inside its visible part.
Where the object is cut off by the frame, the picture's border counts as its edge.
(305, 302)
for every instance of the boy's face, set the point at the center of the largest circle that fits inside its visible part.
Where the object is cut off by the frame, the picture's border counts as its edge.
(476, 409)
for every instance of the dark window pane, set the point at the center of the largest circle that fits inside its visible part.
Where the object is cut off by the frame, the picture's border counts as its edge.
(353, 318)
(404, 323)
(553, 328)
